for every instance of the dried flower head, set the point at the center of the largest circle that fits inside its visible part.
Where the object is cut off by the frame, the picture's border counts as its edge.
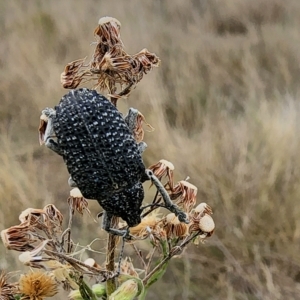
(55, 217)
(108, 31)
(174, 228)
(37, 286)
(7, 290)
(163, 169)
(186, 192)
(202, 223)
(18, 237)
(77, 201)
(110, 67)
(31, 215)
(72, 76)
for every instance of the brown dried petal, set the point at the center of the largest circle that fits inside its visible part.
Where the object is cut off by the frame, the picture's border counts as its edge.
(31, 213)
(162, 169)
(71, 78)
(18, 238)
(42, 128)
(7, 290)
(187, 193)
(203, 208)
(55, 216)
(77, 201)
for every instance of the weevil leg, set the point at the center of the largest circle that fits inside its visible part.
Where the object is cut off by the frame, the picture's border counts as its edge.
(131, 119)
(142, 147)
(72, 183)
(106, 222)
(182, 217)
(49, 132)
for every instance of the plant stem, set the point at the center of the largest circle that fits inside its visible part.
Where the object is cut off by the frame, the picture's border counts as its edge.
(110, 257)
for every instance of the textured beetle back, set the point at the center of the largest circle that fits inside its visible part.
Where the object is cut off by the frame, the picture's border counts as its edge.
(100, 152)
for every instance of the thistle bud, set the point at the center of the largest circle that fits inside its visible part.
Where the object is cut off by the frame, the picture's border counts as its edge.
(99, 290)
(75, 295)
(127, 291)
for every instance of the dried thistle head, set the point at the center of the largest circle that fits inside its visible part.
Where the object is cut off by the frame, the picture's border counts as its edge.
(163, 169)
(202, 222)
(18, 237)
(108, 32)
(72, 75)
(174, 228)
(55, 217)
(186, 192)
(78, 202)
(7, 290)
(111, 68)
(37, 286)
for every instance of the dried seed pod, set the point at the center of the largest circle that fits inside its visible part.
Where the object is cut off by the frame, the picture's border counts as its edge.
(174, 228)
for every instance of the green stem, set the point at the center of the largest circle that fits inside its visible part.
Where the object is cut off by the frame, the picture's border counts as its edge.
(110, 258)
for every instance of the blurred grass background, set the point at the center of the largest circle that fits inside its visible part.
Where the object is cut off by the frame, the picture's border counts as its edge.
(225, 105)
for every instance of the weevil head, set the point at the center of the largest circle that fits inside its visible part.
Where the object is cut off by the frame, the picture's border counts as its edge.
(127, 204)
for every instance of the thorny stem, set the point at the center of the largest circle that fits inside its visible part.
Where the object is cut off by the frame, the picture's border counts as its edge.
(110, 257)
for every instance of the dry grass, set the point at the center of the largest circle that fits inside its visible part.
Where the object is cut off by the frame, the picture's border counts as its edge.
(225, 105)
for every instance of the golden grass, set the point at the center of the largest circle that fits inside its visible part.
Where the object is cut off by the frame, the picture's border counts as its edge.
(225, 107)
